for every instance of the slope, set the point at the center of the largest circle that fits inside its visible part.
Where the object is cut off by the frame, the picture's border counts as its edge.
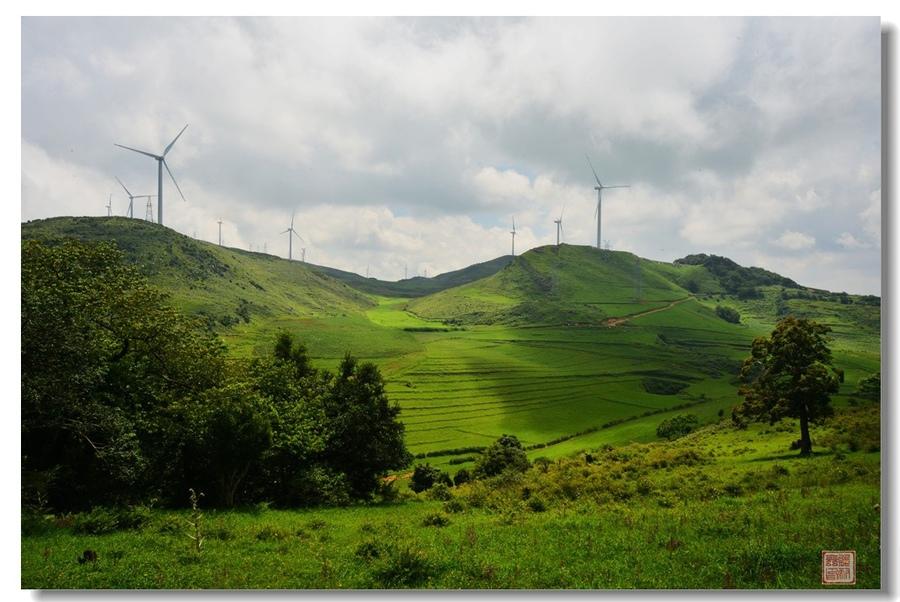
(417, 286)
(563, 285)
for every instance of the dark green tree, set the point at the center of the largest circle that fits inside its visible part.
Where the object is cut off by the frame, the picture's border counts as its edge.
(506, 453)
(364, 438)
(790, 374)
(234, 431)
(103, 359)
(424, 477)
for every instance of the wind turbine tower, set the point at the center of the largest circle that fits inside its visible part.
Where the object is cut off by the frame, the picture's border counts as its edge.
(148, 211)
(161, 162)
(600, 188)
(291, 233)
(220, 232)
(558, 223)
(109, 206)
(303, 255)
(131, 198)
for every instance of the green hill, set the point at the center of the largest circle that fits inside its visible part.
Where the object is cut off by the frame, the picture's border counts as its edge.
(565, 285)
(417, 286)
(565, 347)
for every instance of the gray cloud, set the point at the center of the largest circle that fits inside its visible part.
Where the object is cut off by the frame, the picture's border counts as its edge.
(413, 141)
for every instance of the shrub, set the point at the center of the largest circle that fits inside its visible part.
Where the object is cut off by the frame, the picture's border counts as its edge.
(729, 314)
(505, 454)
(677, 426)
(454, 506)
(462, 476)
(368, 550)
(661, 386)
(440, 492)
(435, 520)
(536, 504)
(403, 567)
(424, 477)
(269, 533)
(96, 522)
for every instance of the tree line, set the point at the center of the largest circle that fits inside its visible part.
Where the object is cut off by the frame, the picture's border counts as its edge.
(124, 399)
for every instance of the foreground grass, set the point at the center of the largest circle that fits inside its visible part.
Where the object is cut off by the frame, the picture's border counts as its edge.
(718, 509)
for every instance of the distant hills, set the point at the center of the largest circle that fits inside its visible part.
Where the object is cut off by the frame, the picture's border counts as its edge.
(565, 285)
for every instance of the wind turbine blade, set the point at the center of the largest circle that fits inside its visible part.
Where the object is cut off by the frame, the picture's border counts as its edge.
(123, 186)
(595, 172)
(627, 186)
(596, 209)
(174, 181)
(286, 231)
(561, 212)
(172, 143)
(298, 236)
(292, 218)
(138, 151)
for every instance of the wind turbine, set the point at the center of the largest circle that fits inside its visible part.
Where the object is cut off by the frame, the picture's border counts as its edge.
(131, 198)
(220, 231)
(161, 161)
(558, 223)
(600, 188)
(513, 232)
(109, 206)
(291, 233)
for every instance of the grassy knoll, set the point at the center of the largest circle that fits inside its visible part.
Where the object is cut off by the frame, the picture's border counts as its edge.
(719, 508)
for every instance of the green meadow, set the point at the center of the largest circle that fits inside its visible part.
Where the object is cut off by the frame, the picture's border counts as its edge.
(571, 349)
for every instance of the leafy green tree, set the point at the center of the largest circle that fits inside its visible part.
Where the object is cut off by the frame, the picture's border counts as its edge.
(506, 453)
(235, 431)
(364, 438)
(790, 374)
(729, 314)
(103, 359)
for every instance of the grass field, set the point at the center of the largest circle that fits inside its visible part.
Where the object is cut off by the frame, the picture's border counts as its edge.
(720, 508)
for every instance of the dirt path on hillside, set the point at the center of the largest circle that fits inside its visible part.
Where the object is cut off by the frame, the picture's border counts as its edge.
(613, 322)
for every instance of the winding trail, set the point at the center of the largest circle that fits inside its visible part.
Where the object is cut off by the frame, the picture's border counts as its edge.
(613, 322)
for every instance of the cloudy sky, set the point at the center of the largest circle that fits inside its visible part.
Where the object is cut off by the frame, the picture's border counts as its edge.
(415, 141)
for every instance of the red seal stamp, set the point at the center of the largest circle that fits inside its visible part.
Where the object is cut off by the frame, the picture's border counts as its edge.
(838, 568)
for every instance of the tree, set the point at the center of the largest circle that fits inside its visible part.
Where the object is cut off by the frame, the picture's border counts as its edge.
(729, 314)
(789, 374)
(235, 431)
(364, 439)
(103, 360)
(424, 477)
(506, 453)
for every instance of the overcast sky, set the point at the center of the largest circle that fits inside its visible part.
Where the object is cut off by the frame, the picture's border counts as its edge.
(415, 141)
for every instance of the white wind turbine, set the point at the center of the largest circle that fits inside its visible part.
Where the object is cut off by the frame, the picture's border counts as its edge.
(600, 188)
(291, 233)
(559, 227)
(161, 161)
(131, 197)
(513, 232)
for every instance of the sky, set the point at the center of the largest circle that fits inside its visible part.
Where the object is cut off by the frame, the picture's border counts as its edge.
(408, 145)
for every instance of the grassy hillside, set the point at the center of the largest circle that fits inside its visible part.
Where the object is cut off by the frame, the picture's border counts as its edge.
(564, 285)
(565, 347)
(720, 508)
(417, 286)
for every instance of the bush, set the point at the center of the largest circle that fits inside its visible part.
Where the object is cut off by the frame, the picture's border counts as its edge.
(677, 426)
(440, 492)
(435, 520)
(462, 476)
(729, 314)
(424, 477)
(96, 522)
(536, 504)
(403, 567)
(453, 506)
(660, 386)
(505, 454)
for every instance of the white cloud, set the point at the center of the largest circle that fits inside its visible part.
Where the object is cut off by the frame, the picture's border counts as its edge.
(422, 137)
(848, 241)
(795, 241)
